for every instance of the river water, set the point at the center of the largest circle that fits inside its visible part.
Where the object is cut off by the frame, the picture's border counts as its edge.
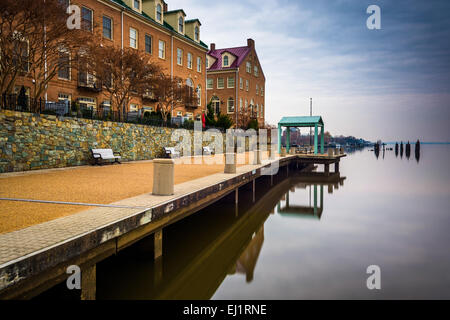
(304, 238)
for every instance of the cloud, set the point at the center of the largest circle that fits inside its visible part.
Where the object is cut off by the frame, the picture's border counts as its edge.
(360, 79)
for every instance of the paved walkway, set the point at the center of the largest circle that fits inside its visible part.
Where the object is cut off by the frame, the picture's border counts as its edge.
(19, 244)
(87, 185)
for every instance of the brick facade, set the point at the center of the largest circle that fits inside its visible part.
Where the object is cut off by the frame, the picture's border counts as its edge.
(123, 16)
(238, 71)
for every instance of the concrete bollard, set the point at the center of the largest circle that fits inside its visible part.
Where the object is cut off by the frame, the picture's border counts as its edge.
(163, 177)
(256, 157)
(283, 152)
(230, 162)
(330, 152)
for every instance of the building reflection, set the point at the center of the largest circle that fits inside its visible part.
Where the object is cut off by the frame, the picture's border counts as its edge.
(201, 251)
(315, 183)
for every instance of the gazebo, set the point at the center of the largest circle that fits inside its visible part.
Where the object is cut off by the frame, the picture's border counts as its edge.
(295, 122)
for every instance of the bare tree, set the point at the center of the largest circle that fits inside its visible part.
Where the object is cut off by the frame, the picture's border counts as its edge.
(123, 73)
(171, 92)
(35, 42)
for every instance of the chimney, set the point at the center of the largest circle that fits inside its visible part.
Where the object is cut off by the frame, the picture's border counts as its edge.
(165, 8)
(250, 43)
(212, 46)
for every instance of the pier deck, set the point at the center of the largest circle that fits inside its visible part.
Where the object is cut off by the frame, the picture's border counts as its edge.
(34, 259)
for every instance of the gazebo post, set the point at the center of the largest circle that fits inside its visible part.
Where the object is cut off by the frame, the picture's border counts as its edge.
(316, 131)
(322, 139)
(279, 138)
(288, 139)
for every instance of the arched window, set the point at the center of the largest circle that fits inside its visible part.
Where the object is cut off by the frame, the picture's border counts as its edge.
(158, 12)
(180, 24)
(225, 61)
(197, 33)
(199, 95)
(230, 105)
(215, 103)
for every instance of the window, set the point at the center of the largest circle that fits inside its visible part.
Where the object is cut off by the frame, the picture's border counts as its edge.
(230, 82)
(162, 49)
(64, 97)
(230, 105)
(180, 25)
(189, 60)
(249, 67)
(215, 102)
(86, 19)
(21, 54)
(137, 4)
(197, 33)
(240, 105)
(241, 83)
(179, 56)
(246, 85)
(256, 110)
(199, 95)
(64, 65)
(107, 28)
(220, 84)
(262, 111)
(255, 70)
(199, 64)
(262, 91)
(133, 107)
(210, 83)
(257, 90)
(133, 38)
(207, 63)
(225, 61)
(148, 43)
(246, 104)
(158, 12)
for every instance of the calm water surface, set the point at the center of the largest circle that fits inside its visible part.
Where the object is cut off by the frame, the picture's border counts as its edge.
(392, 212)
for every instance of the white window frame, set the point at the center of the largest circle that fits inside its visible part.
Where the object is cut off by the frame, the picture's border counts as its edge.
(223, 83)
(228, 82)
(189, 60)
(209, 83)
(179, 56)
(163, 43)
(241, 83)
(137, 38)
(199, 95)
(199, 64)
(248, 67)
(103, 27)
(92, 18)
(246, 85)
(160, 12)
(228, 105)
(180, 25)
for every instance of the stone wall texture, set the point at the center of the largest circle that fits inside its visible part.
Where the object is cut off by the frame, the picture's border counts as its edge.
(29, 141)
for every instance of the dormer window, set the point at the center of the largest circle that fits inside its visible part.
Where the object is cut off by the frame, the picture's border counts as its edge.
(180, 25)
(137, 5)
(225, 61)
(158, 12)
(197, 33)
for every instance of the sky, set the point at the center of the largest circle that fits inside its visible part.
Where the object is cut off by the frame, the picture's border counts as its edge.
(391, 84)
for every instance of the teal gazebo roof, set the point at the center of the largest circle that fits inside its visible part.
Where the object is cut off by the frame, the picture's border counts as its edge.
(301, 121)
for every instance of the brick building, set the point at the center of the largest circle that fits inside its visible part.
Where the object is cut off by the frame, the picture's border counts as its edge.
(147, 25)
(236, 82)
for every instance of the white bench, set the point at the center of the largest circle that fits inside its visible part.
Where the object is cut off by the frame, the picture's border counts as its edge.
(171, 152)
(207, 151)
(105, 154)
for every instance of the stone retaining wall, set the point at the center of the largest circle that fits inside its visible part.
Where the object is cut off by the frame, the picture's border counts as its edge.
(29, 141)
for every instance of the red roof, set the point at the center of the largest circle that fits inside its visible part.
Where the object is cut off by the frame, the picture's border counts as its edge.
(239, 52)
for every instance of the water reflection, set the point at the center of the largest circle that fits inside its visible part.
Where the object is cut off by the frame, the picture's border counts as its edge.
(204, 249)
(400, 148)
